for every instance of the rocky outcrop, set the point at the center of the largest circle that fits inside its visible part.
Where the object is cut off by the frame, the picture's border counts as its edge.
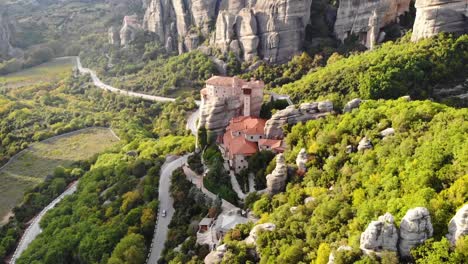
(276, 181)
(301, 160)
(253, 235)
(129, 30)
(353, 104)
(272, 29)
(366, 18)
(216, 114)
(380, 235)
(387, 132)
(216, 256)
(458, 226)
(435, 16)
(113, 36)
(292, 115)
(6, 35)
(331, 257)
(364, 144)
(415, 228)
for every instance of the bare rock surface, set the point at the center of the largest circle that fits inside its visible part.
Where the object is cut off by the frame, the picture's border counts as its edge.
(331, 258)
(458, 226)
(364, 144)
(435, 16)
(253, 235)
(366, 18)
(6, 36)
(353, 104)
(216, 256)
(415, 228)
(380, 235)
(113, 36)
(301, 160)
(129, 30)
(276, 181)
(292, 115)
(216, 114)
(387, 132)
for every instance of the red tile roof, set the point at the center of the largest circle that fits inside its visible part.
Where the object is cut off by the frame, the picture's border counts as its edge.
(274, 144)
(238, 145)
(247, 125)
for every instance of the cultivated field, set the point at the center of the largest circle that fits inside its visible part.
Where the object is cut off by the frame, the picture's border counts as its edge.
(51, 71)
(35, 163)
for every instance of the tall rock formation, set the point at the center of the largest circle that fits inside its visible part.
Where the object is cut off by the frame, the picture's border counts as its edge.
(435, 16)
(301, 161)
(458, 226)
(415, 228)
(129, 30)
(113, 36)
(366, 18)
(276, 181)
(380, 235)
(6, 35)
(272, 29)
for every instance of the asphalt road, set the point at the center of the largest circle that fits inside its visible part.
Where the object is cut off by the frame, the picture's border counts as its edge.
(165, 203)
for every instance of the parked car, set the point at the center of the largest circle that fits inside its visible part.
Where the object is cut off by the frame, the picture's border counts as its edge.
(163, 213)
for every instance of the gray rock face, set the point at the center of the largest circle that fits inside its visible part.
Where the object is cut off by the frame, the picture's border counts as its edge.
(435, 16)
(276, 181)
(458, 226)
(253, 235)
(291, 115)
(216, 256)
(364, 144)
(114, 36)
(129, 30)
(331, 258)
(6, 35)
(415, 228)
(301, 160)
(353, 104)
(366, 18)
(380, 235)
(216, 114)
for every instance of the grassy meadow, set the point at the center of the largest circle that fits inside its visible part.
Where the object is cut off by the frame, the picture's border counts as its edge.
(40, 159)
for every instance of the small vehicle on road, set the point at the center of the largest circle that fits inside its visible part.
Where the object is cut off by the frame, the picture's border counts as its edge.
(163, 213)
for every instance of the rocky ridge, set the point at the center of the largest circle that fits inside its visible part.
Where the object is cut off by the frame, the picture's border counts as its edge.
(292, 115)
(380, 235)
(458, 225)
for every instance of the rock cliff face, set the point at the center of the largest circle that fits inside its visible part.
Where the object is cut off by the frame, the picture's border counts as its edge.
(129, 30)
(276, 181)
(272, 29)
(366, 18)
(458, 226)
(301, 160)
(291, 115)
(435, 16)
(6, 35)
(114, 36)
(380, 235)
(216, 114)
(216, 256)
(415, 228)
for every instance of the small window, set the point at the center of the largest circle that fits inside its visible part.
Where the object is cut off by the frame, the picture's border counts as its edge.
(251, 137)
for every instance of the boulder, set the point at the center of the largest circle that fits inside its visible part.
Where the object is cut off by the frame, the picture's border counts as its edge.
(436, 16)
(364, 144)
(387, 132)
(380, 235)
(291, 116)
(216, 256)
(309, 200)
(353, 104)
(301, 160)
(366, 18)
(458, 226)
(276, 181)
(325, 107)
(253, 235)
(415, 228)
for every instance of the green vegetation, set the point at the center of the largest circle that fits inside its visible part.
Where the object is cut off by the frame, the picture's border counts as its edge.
(36, 163)
(423, 164)
(217, 180)
(390, 71)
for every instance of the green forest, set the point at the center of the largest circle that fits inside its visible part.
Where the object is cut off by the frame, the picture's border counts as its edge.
(423, 164)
